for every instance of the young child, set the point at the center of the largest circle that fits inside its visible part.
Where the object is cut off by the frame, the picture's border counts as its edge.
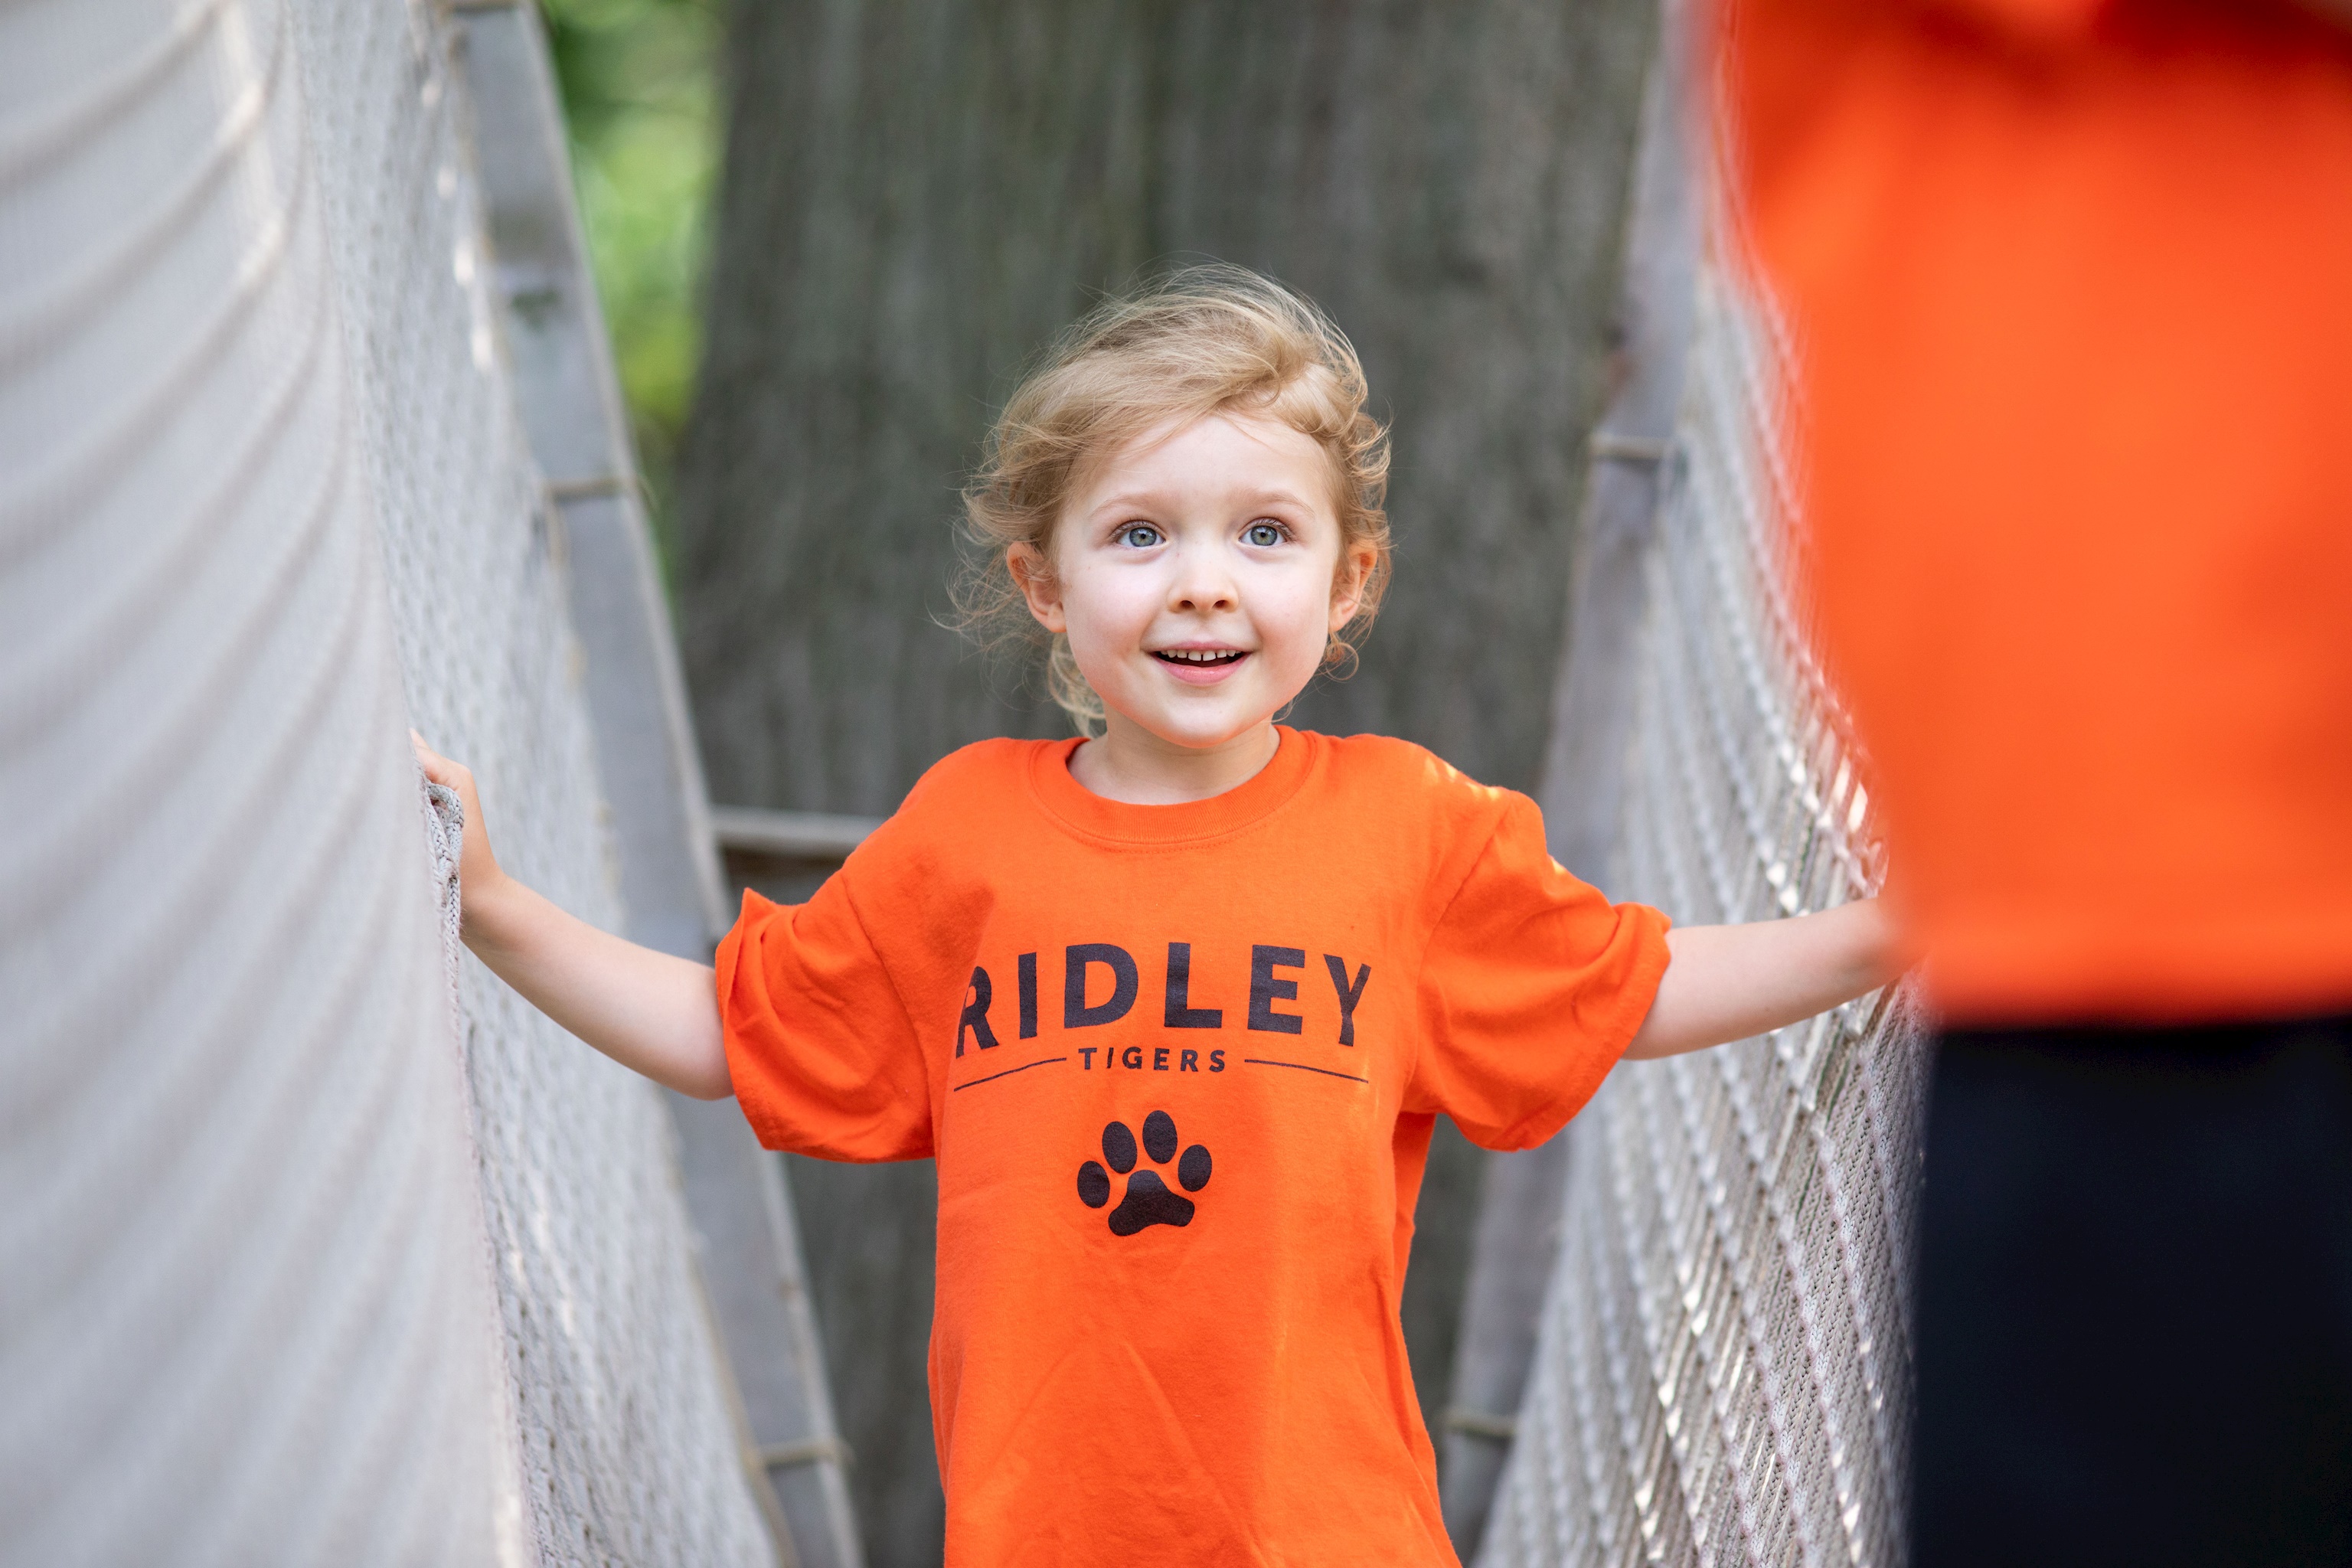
(1175, 1007)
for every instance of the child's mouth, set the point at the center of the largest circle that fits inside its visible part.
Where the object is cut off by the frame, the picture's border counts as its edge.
(1200, 665)
(1199, 658)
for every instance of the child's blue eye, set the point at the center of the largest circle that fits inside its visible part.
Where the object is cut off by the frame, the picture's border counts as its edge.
(1139, 535)
(1264, 534)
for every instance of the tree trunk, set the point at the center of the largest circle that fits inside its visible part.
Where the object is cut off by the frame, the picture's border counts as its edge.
(917, 197)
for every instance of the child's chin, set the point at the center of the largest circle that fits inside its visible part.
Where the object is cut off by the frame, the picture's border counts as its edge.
(1203, 731)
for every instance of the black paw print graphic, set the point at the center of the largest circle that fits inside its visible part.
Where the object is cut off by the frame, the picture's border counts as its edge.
(1148, 1201)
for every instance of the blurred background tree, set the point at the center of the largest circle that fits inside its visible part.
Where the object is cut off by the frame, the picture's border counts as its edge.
(641, 101)
(914, 198)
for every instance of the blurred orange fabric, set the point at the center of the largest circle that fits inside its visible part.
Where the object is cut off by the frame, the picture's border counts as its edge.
(2069, 288)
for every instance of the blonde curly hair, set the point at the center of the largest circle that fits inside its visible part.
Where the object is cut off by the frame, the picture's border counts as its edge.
(1198, 341)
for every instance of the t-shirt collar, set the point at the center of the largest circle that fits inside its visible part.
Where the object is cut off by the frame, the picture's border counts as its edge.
(1091, 816)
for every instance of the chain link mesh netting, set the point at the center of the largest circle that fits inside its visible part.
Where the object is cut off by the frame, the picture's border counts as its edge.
(259, 472)
(244, 1315)
(1725, 1364)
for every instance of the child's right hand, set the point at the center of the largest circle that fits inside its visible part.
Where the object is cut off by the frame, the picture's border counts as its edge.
(646, 1010)
(478, 876)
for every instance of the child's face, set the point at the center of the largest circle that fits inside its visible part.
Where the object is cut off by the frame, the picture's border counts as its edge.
(1198, 576)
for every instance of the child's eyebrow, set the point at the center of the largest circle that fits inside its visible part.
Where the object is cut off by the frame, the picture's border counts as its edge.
(1127, 500)
(1149, 500)
(1280, 498)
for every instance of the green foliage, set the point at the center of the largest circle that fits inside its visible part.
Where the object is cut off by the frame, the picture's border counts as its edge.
(639, 99)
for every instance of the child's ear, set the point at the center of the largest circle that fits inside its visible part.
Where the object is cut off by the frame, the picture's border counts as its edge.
(1034, 576)
(1347, 586)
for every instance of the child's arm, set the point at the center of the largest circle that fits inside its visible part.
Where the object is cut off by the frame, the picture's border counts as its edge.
(1727, 983)
(645, 1010)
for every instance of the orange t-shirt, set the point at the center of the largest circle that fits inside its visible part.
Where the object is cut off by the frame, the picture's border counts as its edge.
(2068, 286)
(1178, 1065)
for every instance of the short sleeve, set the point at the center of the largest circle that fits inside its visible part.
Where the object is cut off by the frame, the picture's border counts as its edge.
(824, 1059)
(1531, 987)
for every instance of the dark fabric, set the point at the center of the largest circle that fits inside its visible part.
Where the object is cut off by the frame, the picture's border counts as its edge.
(2135, 1298)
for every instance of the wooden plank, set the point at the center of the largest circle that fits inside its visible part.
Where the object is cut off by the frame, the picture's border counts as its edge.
(789, 835)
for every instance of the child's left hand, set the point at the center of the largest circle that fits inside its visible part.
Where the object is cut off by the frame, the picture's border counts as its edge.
(1729, 982)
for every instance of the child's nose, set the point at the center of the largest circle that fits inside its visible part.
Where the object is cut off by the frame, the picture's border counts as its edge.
(1204, 596)
(1201, 584)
